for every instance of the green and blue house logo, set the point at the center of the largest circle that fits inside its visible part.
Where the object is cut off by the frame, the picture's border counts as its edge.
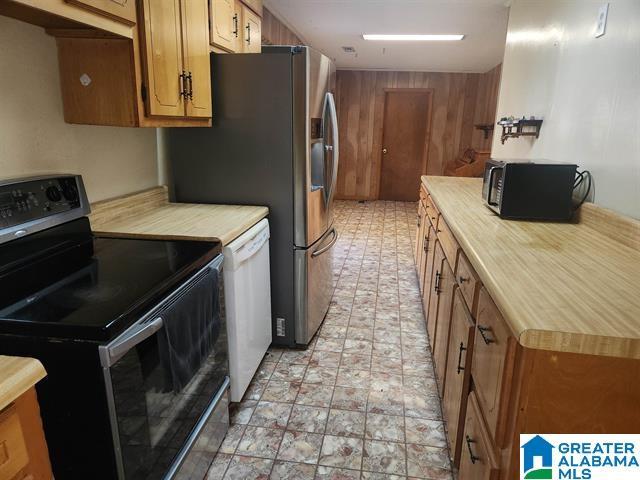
(537, 459)
(580, 456)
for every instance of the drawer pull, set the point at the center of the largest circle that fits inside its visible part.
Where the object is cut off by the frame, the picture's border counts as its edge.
(472, 457)
(462, 349)
(418, 222)
(483, 331)
(464, 279)
(425, 247)
(436, 286)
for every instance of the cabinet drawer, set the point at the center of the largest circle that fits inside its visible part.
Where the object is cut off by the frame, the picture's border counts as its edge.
(469, 282)
(432, 212)
(423, 195)
(449, 242)
(477, 461)
(492, 366)
(13, 450)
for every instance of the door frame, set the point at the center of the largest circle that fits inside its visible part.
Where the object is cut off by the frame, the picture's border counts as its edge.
(425, 153)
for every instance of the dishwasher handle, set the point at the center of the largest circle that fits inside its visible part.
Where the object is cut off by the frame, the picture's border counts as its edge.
(252, 247)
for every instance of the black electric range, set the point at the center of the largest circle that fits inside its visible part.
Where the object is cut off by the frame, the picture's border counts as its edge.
(130, 331)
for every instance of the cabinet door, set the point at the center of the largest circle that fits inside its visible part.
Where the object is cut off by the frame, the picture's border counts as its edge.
(492, 367)
(251, 31)
(163, 57)
(195, 41)
(255, 5)
(225, 24)
(458, 374)
(443, 323)
(432, 315)
(476, 460)
(120, 10)
(419, 228)
(428, 266)
(424, 254)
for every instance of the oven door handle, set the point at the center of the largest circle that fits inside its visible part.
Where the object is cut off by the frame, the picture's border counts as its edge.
(133, 338)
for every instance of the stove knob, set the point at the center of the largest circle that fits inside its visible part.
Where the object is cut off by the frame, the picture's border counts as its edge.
(70, 192)
(53, 194)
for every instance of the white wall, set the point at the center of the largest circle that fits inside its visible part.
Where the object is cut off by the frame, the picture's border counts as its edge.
(34, 138)
(586, 89)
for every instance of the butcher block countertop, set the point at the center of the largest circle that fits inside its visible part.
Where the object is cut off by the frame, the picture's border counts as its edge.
(570, 287)
(17, 375)
(149, 214)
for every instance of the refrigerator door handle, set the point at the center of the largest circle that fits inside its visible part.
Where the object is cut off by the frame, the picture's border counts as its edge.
(334, 149)
(327, 247)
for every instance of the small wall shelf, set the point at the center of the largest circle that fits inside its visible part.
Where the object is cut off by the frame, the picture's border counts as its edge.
(486, 128)
(515, 127)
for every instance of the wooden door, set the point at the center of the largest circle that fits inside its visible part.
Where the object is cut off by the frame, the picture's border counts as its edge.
(225, 24)
(195, 41)
(458, 372)
(446, 286)
(404, 143)
(432, 313)
(121, 10)
(163, 57)
(251, 31)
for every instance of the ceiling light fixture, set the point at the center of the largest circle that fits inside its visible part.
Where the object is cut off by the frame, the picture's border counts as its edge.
(413, 38)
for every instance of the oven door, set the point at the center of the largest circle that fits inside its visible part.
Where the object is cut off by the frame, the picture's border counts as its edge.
(166, 384)
(492, 185)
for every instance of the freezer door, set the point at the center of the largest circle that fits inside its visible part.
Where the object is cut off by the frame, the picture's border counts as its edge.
(314, 285)
(313, 127)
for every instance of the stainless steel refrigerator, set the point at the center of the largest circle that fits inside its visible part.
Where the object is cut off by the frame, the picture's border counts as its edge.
(274, 142)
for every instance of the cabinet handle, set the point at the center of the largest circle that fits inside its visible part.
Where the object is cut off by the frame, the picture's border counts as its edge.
(483, 331)
(462, 349)
(248, 27)
(473, 458)
(235, 25)
(425, 246)
(183, 79)
(463, 279)
(418, 222)
(190, 81)
(436, 287)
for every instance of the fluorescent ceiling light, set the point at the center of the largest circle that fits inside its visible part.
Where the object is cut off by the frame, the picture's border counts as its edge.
(413, 38)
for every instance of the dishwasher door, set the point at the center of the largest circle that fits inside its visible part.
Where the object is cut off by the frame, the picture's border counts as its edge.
(248, 304)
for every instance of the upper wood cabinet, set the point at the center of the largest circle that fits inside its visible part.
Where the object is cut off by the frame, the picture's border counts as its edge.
(255, 5)
(251, 31)
(196, 63)
(165, 76)
(224, 22)
(159, 78)
(120, 10)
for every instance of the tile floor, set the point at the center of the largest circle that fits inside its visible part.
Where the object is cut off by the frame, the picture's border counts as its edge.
(361, 401)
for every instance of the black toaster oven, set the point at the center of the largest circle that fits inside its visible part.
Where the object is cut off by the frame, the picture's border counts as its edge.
(529, 190)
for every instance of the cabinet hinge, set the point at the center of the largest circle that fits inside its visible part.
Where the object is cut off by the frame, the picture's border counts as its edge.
(143, 92)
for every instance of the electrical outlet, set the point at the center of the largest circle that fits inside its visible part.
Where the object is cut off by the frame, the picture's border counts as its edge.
(602, 20)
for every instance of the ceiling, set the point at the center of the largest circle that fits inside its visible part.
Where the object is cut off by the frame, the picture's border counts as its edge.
(328, 25)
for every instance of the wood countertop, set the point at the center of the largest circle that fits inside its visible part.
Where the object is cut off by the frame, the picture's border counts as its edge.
(149, 214)
(17, 375)
(570, 287)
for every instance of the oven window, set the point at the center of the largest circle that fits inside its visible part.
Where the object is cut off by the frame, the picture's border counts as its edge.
(159, 398)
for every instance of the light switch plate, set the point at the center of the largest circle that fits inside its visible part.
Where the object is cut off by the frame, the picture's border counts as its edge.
(602, 20)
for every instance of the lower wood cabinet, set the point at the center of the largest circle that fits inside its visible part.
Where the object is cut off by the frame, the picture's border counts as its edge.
(23, 449)
(443, 289)
(434, 296)
(458, 373)
(492, 367)
(430, 238)
(421, 225)
(477, 460)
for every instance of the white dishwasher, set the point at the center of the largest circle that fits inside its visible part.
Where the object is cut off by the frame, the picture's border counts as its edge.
(247, 290)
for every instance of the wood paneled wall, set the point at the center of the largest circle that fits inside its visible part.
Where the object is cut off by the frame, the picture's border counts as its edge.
(460, 100)
(274, 32)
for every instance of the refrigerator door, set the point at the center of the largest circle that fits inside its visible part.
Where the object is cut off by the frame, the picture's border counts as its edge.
(313, 285)
(312, 77)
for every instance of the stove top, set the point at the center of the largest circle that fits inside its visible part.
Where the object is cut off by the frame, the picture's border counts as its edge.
(68, 284)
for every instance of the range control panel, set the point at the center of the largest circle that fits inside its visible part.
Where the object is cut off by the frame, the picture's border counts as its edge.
(35, 199)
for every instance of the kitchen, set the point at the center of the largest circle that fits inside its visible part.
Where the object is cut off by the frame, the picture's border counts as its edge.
(210, 260)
